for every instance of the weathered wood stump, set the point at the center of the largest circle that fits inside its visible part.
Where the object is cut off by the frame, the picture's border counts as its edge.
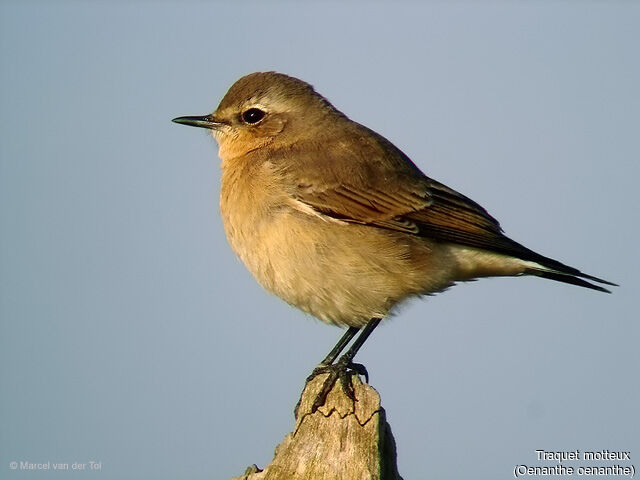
(342, 440)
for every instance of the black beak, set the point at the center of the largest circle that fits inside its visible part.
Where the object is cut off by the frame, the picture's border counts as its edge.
(206, 121)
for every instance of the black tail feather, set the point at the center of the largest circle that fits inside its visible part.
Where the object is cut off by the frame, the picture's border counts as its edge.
(573, 280)
(555, 270)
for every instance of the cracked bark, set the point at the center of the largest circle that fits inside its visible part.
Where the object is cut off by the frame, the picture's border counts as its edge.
(343, 439)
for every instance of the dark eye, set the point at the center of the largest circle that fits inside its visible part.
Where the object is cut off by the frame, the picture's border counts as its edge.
(253, 115)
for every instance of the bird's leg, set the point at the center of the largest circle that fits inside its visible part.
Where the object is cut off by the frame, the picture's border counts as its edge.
(335, 351)
(329, 359)
(344, 368)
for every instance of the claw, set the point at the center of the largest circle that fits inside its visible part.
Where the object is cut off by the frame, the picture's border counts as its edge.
(360, 369)
(339, 370)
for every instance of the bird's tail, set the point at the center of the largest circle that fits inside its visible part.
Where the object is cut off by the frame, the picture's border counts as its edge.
(546, 267)
(573, 279)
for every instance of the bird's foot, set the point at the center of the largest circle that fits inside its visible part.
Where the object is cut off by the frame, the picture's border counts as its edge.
(342, 370)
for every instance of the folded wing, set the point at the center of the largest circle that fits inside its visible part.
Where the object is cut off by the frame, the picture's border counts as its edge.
(417, 205)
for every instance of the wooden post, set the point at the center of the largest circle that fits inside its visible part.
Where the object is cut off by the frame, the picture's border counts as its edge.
(342, 440)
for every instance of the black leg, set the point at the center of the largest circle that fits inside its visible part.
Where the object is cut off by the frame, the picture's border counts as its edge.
(366, 331)
(344, 368)
(335, 351)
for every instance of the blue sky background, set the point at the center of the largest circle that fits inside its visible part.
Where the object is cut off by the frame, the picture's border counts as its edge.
(131, 335)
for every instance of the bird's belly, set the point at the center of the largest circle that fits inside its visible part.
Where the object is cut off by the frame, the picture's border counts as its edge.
(341, 273)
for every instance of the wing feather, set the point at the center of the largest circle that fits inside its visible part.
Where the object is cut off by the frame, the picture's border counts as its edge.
(371, 182)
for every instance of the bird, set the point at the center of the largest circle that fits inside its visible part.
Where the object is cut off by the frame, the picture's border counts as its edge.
(337, 221)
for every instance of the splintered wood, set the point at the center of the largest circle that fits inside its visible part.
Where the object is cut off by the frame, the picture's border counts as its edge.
(343, 439)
